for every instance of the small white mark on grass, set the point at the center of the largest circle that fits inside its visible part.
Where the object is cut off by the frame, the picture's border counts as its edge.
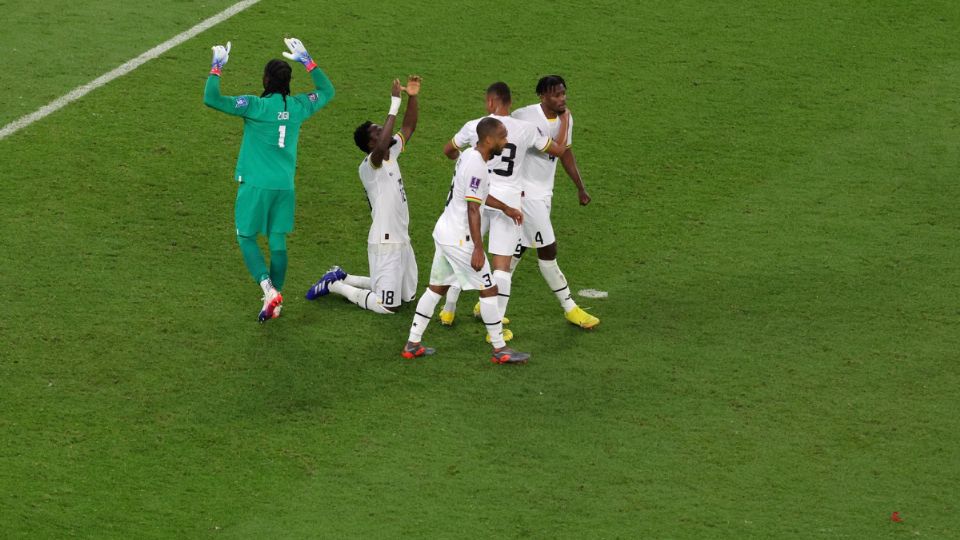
(592, 293)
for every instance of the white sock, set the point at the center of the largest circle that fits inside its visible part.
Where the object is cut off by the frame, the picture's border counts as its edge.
(360, 282)
(558, 283)
(503, 281)
(490, 313)
(363, 298)
(267, 287)
(423, 314)
(453, 294)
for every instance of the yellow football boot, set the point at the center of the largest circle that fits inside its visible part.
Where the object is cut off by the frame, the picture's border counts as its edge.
(581, 318)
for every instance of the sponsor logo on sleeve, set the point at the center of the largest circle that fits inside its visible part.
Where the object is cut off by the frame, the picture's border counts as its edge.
(241, 102)
(312, 96)
(474, 184)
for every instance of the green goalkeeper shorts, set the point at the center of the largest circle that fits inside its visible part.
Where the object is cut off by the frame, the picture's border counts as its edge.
(263, 211)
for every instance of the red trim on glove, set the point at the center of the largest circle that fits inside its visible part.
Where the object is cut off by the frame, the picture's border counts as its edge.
(310, 66)
(215, 71)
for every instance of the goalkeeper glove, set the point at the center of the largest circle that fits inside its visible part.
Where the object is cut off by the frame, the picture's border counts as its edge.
(299, 53)
(220, 56)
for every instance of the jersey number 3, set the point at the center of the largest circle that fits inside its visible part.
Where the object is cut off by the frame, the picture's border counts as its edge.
(507, 156)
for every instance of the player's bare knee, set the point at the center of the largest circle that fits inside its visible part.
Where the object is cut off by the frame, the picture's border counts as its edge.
(502, 262)
(547, 253)
(487, 293)
(439, 289)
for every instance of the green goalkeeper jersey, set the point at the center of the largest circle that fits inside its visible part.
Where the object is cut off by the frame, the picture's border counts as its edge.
(271, 129)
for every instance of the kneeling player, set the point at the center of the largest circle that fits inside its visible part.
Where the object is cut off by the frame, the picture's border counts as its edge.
(459, 256)
(393, 269)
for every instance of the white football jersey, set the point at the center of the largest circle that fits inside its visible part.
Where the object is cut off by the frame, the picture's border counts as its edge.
(387, 199)
(539, 169)
(470, 184)
(505, 168)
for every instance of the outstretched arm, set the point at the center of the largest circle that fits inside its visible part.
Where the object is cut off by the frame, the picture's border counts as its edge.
(381, 147)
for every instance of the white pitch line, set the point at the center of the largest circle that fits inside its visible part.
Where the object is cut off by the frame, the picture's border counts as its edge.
(129, 66)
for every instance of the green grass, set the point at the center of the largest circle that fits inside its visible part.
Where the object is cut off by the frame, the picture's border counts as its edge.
(774, 218)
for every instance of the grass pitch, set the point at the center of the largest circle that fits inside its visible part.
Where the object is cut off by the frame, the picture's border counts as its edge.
(774, 218)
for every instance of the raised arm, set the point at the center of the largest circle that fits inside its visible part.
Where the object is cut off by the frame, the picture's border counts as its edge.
(324, 88)
(381, 147)
(211, 92)
(412, 113)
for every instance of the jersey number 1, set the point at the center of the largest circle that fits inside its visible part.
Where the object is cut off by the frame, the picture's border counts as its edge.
(283, 135)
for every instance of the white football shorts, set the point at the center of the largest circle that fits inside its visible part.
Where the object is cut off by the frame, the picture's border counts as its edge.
(537, 229)
(451, 266)
(504, 235)
(393, 273)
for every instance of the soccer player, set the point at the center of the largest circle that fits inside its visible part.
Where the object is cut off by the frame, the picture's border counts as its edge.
(504, 238)
(459, 255)
(393, 269)
(267, 160)
(537, 176)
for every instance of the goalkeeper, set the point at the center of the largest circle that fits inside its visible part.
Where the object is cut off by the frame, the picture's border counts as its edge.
(268, 158)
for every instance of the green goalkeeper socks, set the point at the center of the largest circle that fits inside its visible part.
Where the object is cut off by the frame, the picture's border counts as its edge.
(252, 257)
(278, 268)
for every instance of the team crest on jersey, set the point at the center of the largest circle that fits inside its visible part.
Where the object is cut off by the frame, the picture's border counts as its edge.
(312, 96)
(474, 183)
(240, 103)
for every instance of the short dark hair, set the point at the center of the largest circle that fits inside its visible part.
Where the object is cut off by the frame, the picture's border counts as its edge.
(361, 136)
(278, 78)
(500, 90)
(548, 83)
(487, 127)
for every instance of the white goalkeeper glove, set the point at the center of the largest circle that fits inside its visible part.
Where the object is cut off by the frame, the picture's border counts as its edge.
(220, 56)
(299, 53)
